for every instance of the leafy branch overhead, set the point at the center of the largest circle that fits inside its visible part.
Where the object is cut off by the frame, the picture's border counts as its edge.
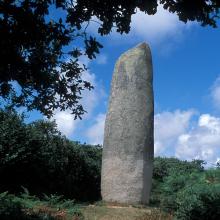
(41, 42)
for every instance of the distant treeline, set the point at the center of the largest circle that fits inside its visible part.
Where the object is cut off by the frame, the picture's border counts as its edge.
(38, 157)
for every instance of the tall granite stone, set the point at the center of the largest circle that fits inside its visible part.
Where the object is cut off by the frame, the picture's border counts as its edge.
(128, 140)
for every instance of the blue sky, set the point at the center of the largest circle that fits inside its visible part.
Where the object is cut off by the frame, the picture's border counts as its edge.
(186, 62)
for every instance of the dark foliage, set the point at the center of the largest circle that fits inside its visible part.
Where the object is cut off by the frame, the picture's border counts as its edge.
(165, 168)
(10, 210)
(37, 70)
(117, 13)
(186, 189)
(27, 207)
(39, 158)
(40, 43)
(200, 197)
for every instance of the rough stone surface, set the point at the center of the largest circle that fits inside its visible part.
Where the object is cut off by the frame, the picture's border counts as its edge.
(128, 140)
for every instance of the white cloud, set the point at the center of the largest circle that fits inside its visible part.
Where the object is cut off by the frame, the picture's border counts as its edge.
(179, 134)
(202, 141)
(187, 137)
(65, 122)
(155, 29)
(215, 93)
(168, 126)
(163, 29)
(95, 133)
(90, 99)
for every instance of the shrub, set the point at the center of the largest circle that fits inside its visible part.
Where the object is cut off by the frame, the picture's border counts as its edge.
(39, 158)
(169, 176)
(174, 184)
(199, 202)
(26, 207)
(192, 196)
(9, 209)
(200, 199)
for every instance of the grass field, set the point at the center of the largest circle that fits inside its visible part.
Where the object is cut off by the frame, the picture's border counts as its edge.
(93, 212)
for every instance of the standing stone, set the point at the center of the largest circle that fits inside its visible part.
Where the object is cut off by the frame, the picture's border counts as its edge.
(128, 140)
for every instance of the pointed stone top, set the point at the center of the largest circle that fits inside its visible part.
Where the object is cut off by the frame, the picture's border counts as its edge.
(143, 45)
(138, 50)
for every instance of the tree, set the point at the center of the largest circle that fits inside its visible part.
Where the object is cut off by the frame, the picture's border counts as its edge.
(38, 157)
(40, 43)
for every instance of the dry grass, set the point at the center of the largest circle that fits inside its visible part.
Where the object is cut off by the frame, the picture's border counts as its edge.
(101, 211)
(46, 212)
(123, 213)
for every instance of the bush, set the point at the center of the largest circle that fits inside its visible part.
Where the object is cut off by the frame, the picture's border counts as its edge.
(26, 207)
(164, 167)
(199, 202)
(9, 209)
(174, 184)
(186, 189)
(39, 158)
(191, 196)
(200, 199)
(169, 176)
